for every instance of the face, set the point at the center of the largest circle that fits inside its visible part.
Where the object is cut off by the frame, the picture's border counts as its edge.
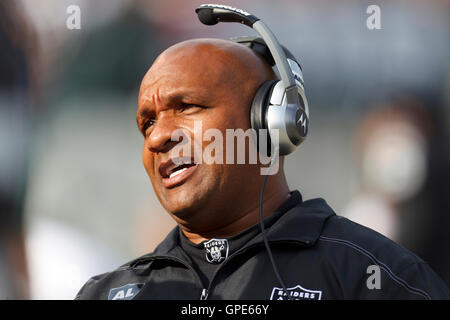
(188, 85)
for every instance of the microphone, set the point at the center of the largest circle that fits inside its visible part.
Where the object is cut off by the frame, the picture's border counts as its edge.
(211, 14)
(206, 16)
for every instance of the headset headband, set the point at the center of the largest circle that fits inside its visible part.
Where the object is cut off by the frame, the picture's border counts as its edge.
(211, 14)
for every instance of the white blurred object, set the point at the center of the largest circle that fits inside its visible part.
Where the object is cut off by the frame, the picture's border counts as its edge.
(61, 259)
(394, 161)
(394, 168)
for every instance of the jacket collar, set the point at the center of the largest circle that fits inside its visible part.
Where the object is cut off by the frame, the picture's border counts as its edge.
(303, 222)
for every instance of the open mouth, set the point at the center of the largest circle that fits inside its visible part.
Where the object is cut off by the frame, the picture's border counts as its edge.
(176, 171)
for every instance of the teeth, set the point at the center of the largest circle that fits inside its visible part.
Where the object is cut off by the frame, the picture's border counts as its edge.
(175, 173)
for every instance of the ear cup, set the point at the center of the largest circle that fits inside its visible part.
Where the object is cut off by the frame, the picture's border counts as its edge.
(258, 112)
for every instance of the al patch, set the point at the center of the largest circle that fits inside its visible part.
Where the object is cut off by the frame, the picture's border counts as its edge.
(126, 292)
(216, 250)
(295, 293)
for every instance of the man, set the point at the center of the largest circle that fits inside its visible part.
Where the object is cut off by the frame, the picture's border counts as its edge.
(217, 249)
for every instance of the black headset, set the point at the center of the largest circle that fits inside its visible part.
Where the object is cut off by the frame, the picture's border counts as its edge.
(282, 104)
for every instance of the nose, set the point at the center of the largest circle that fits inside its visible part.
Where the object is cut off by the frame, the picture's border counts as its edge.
(160, 139)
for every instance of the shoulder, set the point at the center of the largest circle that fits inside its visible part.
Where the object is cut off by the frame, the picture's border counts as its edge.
(132, 272)
(98, 287)
(357, 252)
(344, 234)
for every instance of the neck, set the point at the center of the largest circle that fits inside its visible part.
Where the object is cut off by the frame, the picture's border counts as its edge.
(275, 194)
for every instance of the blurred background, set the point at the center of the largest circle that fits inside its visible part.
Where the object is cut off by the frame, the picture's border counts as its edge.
(75, 200)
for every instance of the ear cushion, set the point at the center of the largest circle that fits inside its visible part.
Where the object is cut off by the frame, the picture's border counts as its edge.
(258, 112)
(260, 104)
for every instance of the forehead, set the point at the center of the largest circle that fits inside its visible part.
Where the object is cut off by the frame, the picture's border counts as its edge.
(198, 69)
(204, 64)
(183, 76)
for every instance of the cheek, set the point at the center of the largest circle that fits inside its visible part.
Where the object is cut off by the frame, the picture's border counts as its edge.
(234, 117)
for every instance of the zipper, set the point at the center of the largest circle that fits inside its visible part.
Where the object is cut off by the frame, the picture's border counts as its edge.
(204, 295)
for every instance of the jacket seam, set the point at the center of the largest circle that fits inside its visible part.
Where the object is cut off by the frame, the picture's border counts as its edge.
(383, 266)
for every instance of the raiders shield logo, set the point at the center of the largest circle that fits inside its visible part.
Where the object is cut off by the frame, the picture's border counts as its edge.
(295, 293)
(216, 250)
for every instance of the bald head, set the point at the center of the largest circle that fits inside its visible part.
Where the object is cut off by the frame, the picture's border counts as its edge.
(225, 56)
(220, 62)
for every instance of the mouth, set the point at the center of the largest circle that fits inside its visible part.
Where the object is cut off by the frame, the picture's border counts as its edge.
(176, 171)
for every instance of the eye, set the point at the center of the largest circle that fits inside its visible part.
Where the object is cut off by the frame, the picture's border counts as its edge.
(147, 125)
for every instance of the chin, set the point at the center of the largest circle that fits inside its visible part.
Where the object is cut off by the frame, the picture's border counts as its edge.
(187, 199)
(184, 200)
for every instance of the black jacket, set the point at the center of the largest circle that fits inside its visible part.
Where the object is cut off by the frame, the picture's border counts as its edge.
(319, 255)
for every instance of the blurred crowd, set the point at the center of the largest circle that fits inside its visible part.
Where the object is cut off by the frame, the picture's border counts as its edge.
(75, 200)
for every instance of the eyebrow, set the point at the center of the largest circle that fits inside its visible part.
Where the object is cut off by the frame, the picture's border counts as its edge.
(172, 99)
(146, 112)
